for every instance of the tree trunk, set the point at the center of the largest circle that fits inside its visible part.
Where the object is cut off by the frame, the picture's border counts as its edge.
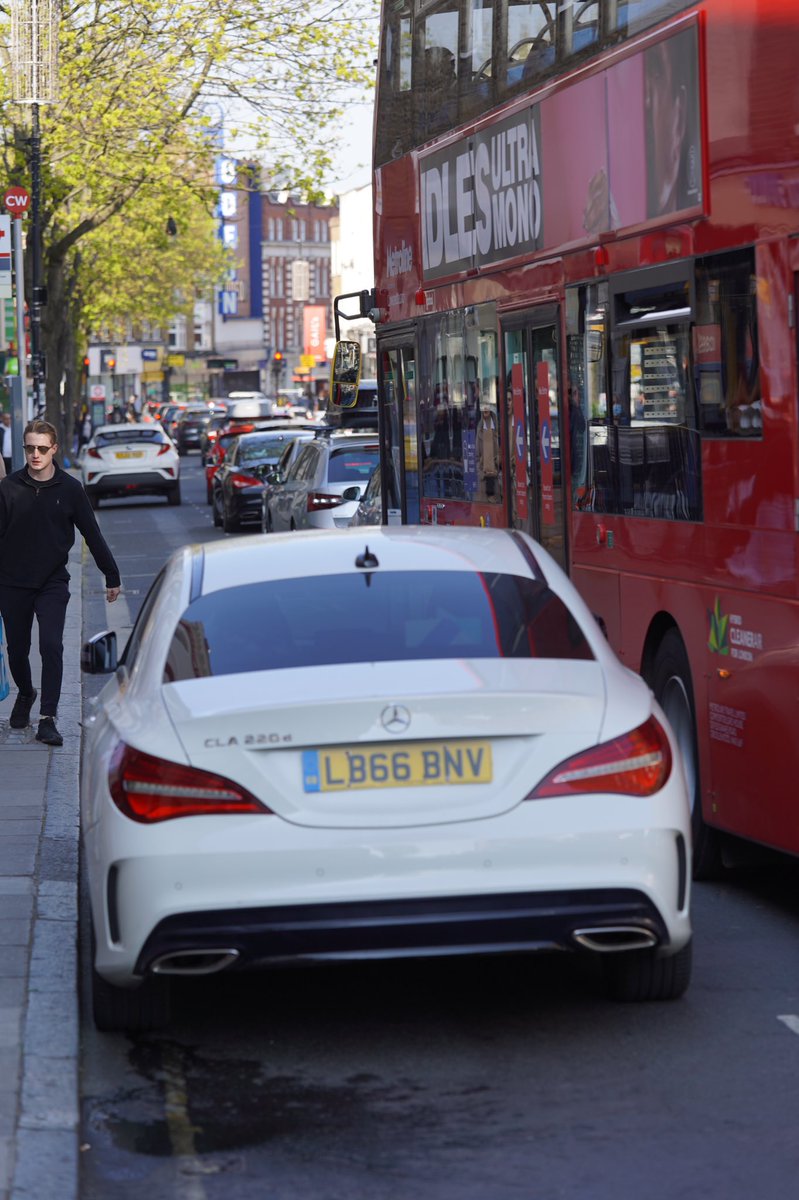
(54, 315)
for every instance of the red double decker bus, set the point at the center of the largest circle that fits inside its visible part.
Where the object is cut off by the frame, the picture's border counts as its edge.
(587, 255)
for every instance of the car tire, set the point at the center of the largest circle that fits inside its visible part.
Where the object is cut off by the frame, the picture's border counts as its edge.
(216, 511)
(209, 493)
(635, 976)
(130, 1010)
(671, 683)
(173, 495)
(229, 524)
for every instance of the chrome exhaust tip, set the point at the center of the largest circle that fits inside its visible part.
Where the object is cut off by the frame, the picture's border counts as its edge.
(610, 939)
(194, 962)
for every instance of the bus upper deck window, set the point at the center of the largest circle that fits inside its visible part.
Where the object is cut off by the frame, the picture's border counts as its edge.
(531, 42)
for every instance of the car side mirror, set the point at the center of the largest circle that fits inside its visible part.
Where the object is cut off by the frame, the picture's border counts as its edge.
(274, 477)
(98, 656)
(351, 493)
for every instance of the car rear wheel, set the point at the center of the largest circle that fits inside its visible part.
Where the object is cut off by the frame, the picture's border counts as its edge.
(671, 683)
(131, 1010)
(640, 975)
(173, 495)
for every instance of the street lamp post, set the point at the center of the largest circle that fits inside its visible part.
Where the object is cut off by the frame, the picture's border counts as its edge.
(37, 290)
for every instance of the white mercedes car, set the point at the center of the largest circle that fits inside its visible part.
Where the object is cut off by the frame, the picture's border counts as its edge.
(375, 742)
(130, 460)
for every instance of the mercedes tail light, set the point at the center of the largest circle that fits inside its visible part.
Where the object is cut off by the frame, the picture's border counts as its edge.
(635, 764)
(319, 500)
(149, 789)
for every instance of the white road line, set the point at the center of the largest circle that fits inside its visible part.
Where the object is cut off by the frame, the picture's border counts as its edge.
(791, 1021)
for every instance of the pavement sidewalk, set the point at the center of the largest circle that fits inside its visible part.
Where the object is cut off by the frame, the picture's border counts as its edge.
(39, 1019)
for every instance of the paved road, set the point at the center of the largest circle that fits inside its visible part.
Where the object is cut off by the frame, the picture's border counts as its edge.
(499, 1080)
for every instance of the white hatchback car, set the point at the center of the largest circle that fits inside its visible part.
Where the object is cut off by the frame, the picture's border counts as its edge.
(130, 460)
(372, 743)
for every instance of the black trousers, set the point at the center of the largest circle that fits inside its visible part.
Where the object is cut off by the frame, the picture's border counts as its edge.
(48, 604)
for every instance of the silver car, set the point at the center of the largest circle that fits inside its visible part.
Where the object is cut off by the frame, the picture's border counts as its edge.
(312, 496)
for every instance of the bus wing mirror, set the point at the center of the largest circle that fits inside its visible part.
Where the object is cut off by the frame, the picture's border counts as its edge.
(345, 375)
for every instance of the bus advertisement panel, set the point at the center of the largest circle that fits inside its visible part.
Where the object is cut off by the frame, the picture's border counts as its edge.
(554, 173)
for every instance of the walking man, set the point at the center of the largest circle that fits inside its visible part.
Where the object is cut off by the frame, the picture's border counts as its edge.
(41, 506)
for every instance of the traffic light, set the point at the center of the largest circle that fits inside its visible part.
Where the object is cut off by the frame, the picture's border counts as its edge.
(108, 360)
(278, 360)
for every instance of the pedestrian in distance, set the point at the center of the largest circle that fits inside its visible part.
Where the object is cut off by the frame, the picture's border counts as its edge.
(41, 506)
(5, 441)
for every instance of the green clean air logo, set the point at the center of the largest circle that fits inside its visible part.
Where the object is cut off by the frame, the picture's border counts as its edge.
(719, 641)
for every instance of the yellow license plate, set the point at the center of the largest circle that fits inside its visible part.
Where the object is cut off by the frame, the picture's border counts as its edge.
(130, 454)
(412, 764)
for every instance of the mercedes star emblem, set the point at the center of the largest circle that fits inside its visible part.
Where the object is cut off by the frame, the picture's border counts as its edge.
(395, 718)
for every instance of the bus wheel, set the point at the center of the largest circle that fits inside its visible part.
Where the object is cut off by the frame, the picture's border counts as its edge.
(671, 683)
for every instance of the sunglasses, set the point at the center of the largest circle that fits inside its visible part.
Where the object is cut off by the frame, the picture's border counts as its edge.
(38, 449)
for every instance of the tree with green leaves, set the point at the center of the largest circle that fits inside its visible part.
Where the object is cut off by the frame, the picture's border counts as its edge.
(131, 140)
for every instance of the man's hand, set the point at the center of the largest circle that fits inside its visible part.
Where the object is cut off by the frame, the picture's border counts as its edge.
(111, 594)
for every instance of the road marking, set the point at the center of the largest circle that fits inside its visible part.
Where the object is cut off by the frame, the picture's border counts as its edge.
(791, 1021)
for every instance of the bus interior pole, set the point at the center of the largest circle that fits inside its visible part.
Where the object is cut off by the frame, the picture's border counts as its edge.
(19, 284)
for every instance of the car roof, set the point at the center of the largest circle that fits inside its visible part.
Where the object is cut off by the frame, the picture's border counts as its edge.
(322, 552)
(265, 435)
(130, 427)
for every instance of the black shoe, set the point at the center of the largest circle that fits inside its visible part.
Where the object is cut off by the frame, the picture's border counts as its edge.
(48, 733)
(21, 712)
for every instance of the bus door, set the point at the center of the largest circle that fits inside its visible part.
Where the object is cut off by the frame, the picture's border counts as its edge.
(399, 445)
(532, 399)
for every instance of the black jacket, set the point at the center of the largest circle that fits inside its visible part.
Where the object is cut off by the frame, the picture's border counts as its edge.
(37, 530)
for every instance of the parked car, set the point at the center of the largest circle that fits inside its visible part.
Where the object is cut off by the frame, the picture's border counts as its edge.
(234, 428)
(370, 506)
(209, 432)
(127, 460)
(329, 740)
(239, 482)
(312, 495)
(249, 405)
(275, 478)
(189, 426)
(168, 416)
